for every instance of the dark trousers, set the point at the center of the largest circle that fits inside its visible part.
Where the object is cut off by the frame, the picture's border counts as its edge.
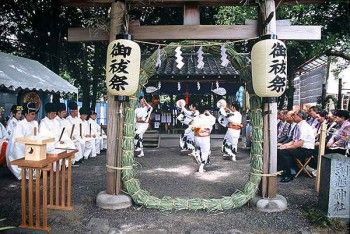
(286, 158)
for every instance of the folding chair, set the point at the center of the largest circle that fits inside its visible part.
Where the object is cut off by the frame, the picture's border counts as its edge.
(302, 166)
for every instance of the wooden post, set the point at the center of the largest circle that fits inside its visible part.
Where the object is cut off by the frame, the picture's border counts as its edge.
(270, 117)
(113, 144)
(321, 151)
(191, 14)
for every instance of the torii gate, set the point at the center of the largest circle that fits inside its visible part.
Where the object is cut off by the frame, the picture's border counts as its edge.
(191, 29)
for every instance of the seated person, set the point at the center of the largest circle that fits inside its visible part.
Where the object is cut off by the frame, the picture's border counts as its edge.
(283, 125)
(285, 138)
(302, 146)
(338, 142)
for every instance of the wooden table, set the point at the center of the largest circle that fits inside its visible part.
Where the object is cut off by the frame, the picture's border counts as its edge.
(62, 200)
(43, 167)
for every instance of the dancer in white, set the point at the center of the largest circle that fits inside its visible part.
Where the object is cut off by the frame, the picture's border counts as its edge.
(202, 126)
(142, 115)
(186, 117)
(234, 125)
(26, 127)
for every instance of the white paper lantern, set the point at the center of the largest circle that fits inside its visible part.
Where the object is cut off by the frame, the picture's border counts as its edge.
(269, 68)
(123, 67)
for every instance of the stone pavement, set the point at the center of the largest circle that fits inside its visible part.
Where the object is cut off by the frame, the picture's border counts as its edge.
(165, 172)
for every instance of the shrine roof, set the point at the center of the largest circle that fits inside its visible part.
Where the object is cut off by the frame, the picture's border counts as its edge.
(212, 68)
(22, 73)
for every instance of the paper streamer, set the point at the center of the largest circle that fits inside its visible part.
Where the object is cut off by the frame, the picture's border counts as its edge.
(178, 86)
(159, 61)
(200, 63)
(198, 86)
(224, 60)
(179, 58)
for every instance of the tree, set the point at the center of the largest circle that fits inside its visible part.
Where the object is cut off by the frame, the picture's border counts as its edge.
(333, 16)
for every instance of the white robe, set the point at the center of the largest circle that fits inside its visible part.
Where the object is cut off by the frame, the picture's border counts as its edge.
(96, 130)
(230, 143)
(203, 123)
(89, 141)
(141, 127)
(187, 138)
(67, 141)
(79, 142)
(3, 132)
(11, 125)
(16, 150)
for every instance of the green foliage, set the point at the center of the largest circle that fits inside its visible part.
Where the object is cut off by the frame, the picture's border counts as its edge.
(334, 16)
(318, 219)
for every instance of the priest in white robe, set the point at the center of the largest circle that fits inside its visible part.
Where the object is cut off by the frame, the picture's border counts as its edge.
(26, 127)
(97, 131)
(67, 132)
(87, 135)
(75, 123)
(16, 111)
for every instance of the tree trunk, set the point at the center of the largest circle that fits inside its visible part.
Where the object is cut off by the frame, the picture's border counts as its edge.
(96, 75)
(85, 82)
(55, 41)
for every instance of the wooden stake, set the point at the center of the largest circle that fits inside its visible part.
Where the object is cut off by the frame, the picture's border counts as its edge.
(113, 186)
(23, 198)
(270, 117)
(30, 196)
(37, 198)
(321, 151)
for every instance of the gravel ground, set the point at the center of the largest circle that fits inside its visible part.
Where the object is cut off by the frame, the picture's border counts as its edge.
(165, 172)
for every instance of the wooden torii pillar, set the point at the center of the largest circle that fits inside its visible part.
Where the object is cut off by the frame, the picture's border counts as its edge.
(192, 30)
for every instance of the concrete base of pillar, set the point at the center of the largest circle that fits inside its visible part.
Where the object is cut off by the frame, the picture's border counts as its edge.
(277, 204)
(113, 202)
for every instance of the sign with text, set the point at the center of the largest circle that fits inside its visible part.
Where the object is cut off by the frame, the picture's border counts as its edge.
(269, 68)
(334, 196)
(123, 67)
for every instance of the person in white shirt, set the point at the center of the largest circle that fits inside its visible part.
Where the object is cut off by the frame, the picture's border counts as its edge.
(234, 125)
(16, 111)
(26, 127)
(97, 131)
(87, 133)
(202, 126)
(142, 116)
(302, 146)
(186, 117)
(66, 137)
(75, 132)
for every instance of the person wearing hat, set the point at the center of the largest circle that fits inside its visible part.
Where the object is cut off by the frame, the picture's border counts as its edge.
(202, 126)
(87, 134)
(100, 136)
(67, 133)
(142, 115)
(16, 111)
(75, 126)
(26, 127)
(234, 125)
(187, 138)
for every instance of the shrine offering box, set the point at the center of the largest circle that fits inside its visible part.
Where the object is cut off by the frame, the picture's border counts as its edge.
(35, 147)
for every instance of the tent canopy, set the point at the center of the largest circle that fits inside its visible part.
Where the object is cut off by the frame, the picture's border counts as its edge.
(22, 73)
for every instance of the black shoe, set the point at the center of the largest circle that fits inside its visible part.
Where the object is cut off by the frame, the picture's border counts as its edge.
(286, 179)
